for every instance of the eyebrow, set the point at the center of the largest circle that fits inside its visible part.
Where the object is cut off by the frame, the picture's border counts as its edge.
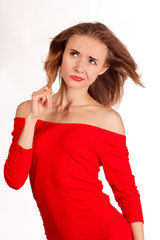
(89, 56)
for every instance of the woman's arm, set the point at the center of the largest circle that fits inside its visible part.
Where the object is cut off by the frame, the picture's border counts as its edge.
(115, 123)
(137, 231)
(18, 162)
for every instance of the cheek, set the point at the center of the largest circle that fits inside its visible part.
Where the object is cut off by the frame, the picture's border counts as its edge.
(64, 65)
(93, 73)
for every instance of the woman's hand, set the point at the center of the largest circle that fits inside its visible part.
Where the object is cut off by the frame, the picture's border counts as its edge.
(39, 100)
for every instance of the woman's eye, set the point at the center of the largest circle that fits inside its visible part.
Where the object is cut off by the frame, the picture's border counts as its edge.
(92, 61)
(73, 53)
(76, 55)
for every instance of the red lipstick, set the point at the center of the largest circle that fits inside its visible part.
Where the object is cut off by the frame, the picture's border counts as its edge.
(76, 78)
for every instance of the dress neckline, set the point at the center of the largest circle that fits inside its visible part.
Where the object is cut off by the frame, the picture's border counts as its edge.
(80, 124)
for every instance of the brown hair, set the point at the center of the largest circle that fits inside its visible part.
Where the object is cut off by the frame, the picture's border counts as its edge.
(107, 89)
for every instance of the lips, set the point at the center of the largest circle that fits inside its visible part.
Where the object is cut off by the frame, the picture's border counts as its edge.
(76, 78)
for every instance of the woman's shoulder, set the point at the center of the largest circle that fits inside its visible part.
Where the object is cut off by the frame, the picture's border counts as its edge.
(111, 120)
(23, 109)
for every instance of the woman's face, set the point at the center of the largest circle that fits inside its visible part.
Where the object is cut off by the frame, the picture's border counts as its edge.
(83, 57)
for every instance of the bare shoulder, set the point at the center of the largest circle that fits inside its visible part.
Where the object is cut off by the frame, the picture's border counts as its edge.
(23, 109)
(112, 121)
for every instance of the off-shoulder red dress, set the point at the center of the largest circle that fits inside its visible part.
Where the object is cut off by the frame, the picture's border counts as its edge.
(63, 166)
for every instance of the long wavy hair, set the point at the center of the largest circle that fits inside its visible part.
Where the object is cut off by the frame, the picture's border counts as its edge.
(108, 88)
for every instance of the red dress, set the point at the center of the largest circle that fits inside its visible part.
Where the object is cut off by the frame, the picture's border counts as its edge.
(63, 166)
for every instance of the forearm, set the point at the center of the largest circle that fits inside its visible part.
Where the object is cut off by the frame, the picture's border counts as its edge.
(26, 138)
(137, 231)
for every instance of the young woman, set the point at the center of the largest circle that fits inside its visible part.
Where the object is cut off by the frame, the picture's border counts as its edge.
(61, 140)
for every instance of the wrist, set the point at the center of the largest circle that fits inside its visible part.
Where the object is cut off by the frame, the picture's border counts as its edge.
(31, 118)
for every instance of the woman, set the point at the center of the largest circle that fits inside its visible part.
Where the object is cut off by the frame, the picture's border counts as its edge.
(61, 140)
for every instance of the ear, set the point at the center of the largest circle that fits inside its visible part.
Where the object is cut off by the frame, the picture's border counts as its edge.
(103, 70)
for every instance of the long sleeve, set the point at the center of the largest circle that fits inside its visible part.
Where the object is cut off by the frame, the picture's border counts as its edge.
(18, 162)
(114, 157)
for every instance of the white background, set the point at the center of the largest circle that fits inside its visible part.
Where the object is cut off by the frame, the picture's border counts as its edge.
(26, 29)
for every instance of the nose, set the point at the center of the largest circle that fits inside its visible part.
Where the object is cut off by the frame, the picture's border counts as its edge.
(80, 66)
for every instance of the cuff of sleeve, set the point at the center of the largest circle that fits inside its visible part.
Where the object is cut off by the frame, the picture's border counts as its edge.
(132, 210)
(25, 149)
(17, 165)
